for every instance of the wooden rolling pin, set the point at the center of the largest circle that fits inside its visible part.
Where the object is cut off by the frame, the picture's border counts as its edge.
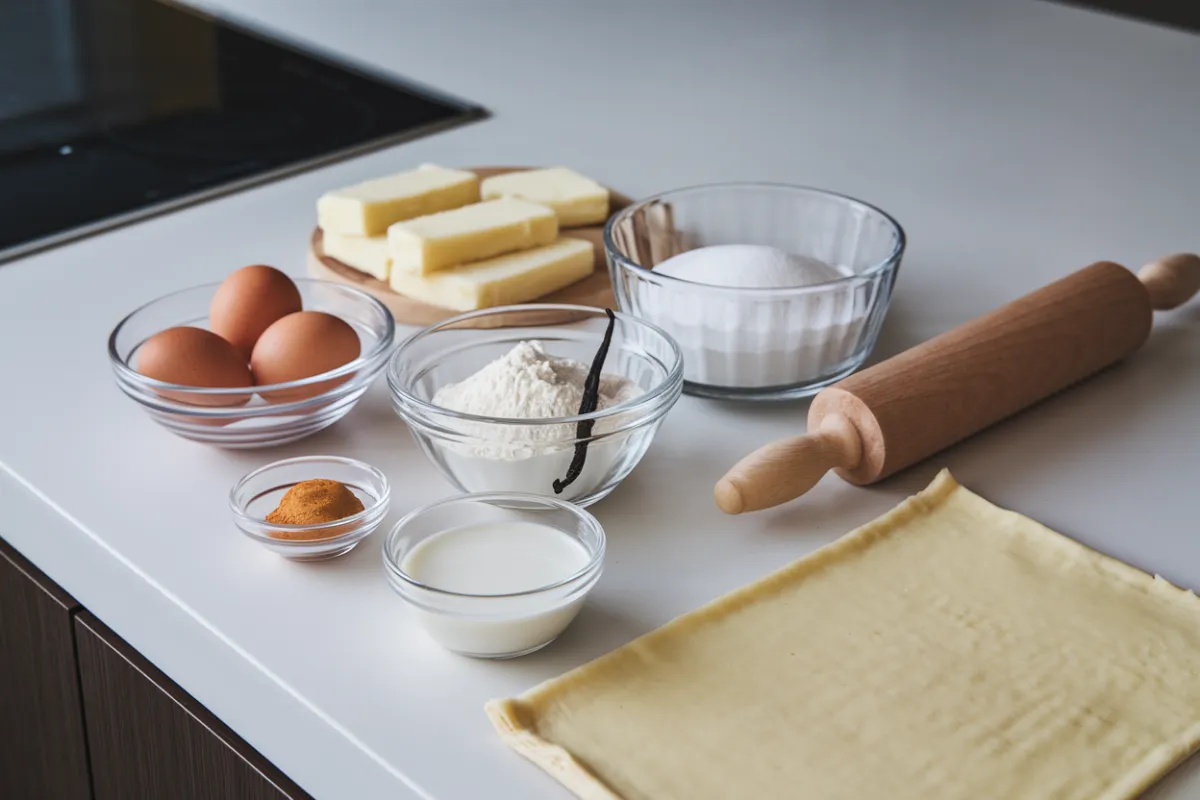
(907, 408)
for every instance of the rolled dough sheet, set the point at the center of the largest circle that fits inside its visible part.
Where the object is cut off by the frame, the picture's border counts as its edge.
(949, 649)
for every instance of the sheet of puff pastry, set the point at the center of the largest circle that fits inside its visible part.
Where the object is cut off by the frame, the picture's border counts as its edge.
(949, 650)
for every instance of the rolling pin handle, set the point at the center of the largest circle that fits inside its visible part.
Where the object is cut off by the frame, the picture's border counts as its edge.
(784, 470)
(1171, 281)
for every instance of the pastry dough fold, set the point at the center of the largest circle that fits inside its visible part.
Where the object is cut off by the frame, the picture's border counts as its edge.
(949, 649)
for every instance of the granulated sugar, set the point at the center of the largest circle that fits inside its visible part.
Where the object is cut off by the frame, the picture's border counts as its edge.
(748, 340)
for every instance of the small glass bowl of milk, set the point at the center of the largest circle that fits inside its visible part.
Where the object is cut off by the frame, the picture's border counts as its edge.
(495, 575)
(771, 291)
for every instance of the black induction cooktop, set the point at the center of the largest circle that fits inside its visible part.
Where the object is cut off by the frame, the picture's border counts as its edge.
(111, 110)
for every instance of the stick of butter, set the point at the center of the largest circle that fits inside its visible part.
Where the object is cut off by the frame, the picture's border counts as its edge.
(367, 254)
(504, 280)
(367, 209)
(470, 233)
(576, 200)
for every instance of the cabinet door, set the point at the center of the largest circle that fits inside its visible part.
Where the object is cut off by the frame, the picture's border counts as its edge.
(42, 751)
(150, 740)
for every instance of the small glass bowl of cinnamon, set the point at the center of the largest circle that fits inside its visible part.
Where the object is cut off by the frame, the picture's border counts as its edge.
(310, 508)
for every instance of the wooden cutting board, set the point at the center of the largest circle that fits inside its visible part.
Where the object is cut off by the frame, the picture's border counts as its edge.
(595, 290)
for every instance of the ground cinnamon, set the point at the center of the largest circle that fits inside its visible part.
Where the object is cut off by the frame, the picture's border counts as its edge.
(316, 501)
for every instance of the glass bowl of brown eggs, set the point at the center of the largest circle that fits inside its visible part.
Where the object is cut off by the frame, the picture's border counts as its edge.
(257, 360)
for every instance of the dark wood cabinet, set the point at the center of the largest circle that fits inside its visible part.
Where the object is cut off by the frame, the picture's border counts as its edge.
(150, 740)
(83, 715)
(43, 753)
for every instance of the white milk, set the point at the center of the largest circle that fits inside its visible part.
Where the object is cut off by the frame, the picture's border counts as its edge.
(487, 561)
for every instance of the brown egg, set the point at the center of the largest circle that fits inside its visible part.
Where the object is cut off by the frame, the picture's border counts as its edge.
(299, 346)
(195, 357)
(248, 302)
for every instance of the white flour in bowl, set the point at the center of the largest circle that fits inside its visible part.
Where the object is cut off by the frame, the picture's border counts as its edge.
(529, 383)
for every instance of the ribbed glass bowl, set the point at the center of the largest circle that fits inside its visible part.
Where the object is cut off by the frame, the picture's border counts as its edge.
(759, 343)
(257, 423)
(496, 454)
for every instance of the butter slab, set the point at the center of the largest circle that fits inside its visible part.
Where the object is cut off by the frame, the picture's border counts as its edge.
(471, 233)
(576, 200)
(368, 208)
(503, 280)
(368, 254)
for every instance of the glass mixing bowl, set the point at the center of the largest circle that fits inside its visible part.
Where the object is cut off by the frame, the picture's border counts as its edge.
(494, 625)
(257, 423)
(497, 454)
(759, 343)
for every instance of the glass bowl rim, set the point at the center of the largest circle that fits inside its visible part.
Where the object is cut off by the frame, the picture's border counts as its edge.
(355, 520)
(132, 376)
(645, 402)
(891, 259)
(595, 560)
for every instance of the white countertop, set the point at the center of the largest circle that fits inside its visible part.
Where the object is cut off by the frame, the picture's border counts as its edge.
(1015, 141)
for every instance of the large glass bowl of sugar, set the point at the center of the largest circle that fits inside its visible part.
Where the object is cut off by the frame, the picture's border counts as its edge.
(771, 291)
(482, 452)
